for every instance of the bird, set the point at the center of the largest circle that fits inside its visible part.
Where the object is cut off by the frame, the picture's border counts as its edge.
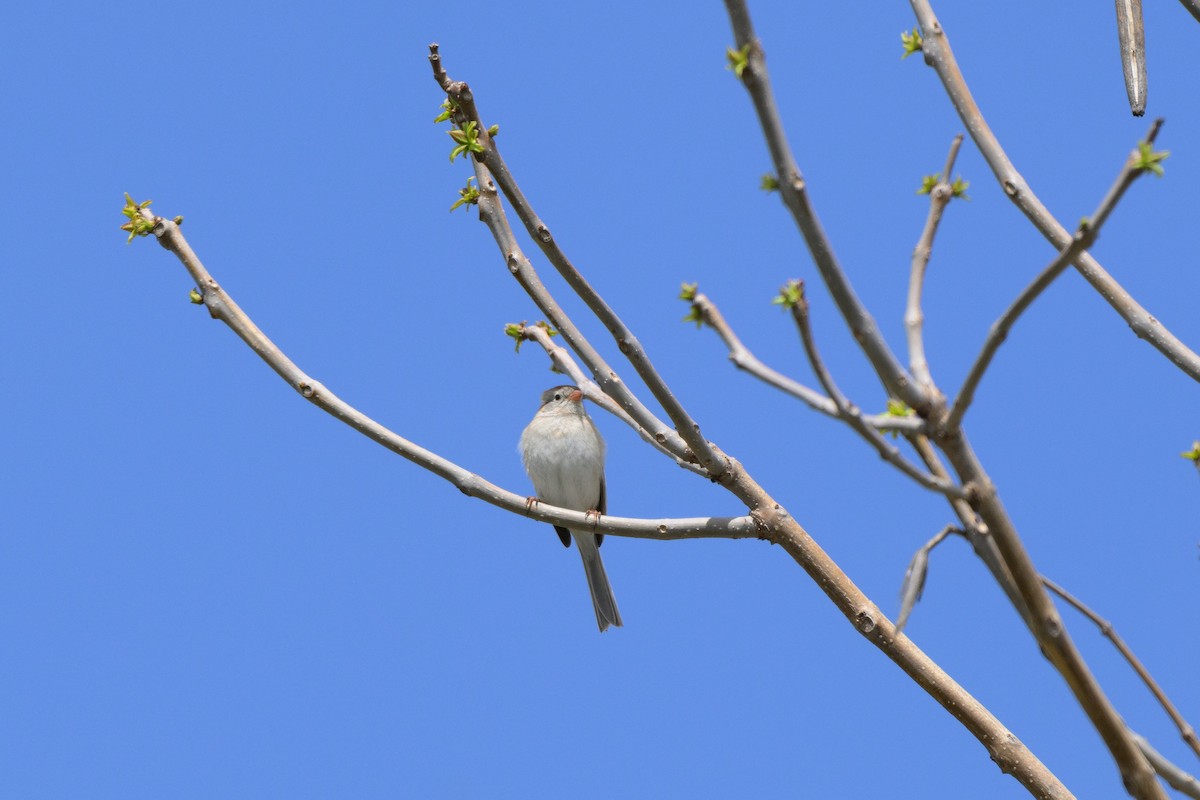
(563, 454)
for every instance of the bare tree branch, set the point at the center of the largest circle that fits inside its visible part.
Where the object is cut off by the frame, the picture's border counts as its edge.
(1043, 618)
(460, 94)
(794, 193)
(1106, 629)
(914, 318)
(936, 48)
(744, 359)
(767, 520)
(1087, 234)
(1131, 33)
(848, 412)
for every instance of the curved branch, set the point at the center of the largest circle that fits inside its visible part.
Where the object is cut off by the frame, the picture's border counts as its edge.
(222, 307)
(938, 54)
(914, 317)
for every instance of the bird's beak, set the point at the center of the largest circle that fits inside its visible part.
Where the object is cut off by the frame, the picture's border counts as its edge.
(575, 396)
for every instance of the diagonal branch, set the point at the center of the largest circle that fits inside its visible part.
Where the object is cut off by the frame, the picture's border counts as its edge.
(938, 54)
(794, 193)
(685, 426)
(1088, 232)
(1106, 629)
(851, 415)
(914, 318)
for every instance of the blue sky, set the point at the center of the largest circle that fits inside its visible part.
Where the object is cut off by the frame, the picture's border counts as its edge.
(208, 588)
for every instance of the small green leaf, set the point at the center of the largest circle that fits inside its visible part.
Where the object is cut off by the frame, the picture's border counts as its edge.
(494, 130)
(467, 196)
(738, 60)
(687, 291)
(928, 182)
(694, 315)
(448, 109)
(195, 296)
(178, 220)
(913, 43)
(467, 138)
(898, 408)
(1150, 160)
(1193, 455)
(959, 188)
(516, 331)
(791, 294)
(769, 183)
(137, 225)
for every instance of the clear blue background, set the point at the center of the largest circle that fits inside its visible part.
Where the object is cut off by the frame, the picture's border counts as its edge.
(208, 588)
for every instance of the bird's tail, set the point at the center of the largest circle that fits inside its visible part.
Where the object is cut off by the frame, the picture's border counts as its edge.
(602, 594)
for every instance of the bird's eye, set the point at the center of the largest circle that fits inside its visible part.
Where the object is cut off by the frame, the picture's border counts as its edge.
(558, 396)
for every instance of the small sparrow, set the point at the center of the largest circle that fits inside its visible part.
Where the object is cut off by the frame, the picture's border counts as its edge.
(564, 456)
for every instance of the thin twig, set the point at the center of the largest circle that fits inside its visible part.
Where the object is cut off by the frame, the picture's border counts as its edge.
(744, 359)
(1131, 33)
(564, 363)
(849, 412)
(794, 193)
(938, 54)
(632, 349)
(914, 318)
(1106, 629)
(1177, 778)
(1083, 239)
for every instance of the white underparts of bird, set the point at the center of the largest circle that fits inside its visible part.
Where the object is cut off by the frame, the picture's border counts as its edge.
(563, 453)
